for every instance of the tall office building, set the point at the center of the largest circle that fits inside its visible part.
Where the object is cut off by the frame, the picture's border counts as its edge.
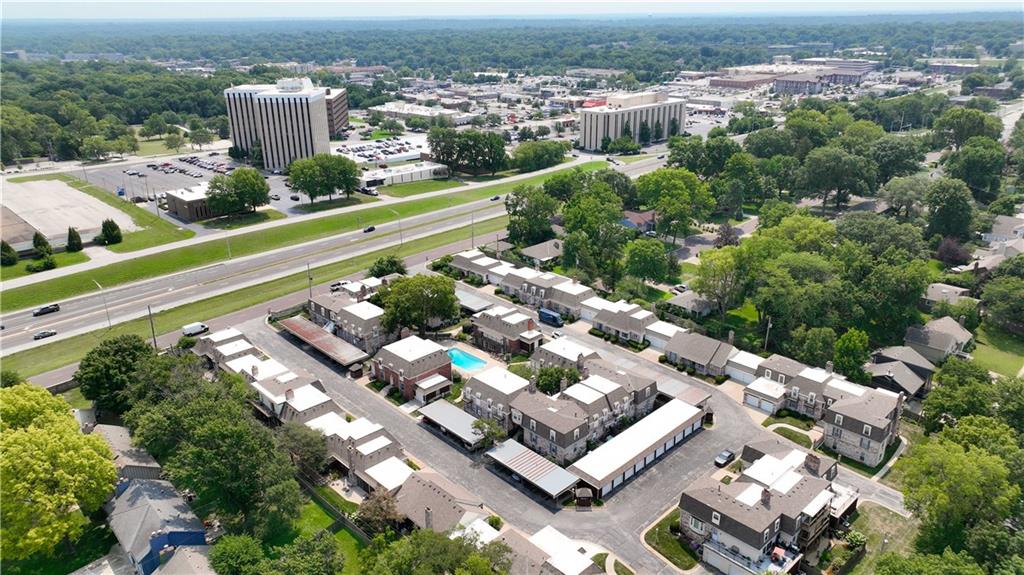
(291, 119)
(655, 109)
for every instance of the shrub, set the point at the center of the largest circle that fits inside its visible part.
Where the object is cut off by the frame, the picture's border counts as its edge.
(42, 264)
(8, 256)
(41, 245)
(663, 358)
(680, 367)
(856, 540)
(720, 379)
(690, 371)
(186, 342)
(456, 377)
(74, 241)
(494, 521)
(110, 233)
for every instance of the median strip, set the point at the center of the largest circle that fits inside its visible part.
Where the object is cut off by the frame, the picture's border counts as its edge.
(58, 354)
(213, 251)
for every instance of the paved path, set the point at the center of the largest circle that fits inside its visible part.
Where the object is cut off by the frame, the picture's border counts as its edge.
(892, 460)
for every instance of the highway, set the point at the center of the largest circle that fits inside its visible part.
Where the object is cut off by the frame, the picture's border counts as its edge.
(90, 312)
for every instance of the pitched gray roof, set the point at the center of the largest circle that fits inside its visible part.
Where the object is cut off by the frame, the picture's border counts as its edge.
(1006, 225)
(938, 333)
(899, 373)
(187, 560)
(148, 505)
(630, 380)
(447, 502)
(544, 251)
(944, 292)
(872, 408)
(561, 415)
(699, 349)
(782, 364)
(907, 355)
(126, 454)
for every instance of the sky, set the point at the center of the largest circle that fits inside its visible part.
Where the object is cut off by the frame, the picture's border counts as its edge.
(249, 9)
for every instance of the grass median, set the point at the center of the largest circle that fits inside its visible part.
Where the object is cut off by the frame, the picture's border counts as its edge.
(64, 352)
(214, 251)
(63, 259)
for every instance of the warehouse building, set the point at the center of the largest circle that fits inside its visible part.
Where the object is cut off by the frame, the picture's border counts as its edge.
(404, 174)
(621, 111)
(742, 81)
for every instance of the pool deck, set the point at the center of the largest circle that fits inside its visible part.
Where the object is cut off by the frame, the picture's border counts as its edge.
(489, 362)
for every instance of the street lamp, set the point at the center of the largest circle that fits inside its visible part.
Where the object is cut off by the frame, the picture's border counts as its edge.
(103, 294)
(401, 235)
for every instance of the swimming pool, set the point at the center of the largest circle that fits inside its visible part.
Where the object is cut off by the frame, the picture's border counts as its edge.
(465, 361)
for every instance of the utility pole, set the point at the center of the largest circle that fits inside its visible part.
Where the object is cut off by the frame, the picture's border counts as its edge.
(309, 276)
(103, 294)
(472, 230)
(152, 327)
(766, 332)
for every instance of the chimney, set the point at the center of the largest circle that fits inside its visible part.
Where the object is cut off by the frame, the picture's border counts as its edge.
(255, 372)
(428, 518)
(813, 463)
(732, 336)
(289, 394)
(766, 497)
(829, 366)
(962, 319)
(533, 383)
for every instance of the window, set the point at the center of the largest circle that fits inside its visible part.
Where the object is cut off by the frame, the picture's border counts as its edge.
(647, 392)
(768, 373)
(839, 419)
(810, 397)
(551, 435)
(837, 432)
(867, 430)
(533, 425)
(766, 532)
(794, 392)
(715, 517)
(575, 434)
(696, 524)
(782, 379)
(865, 443)
(778, 523)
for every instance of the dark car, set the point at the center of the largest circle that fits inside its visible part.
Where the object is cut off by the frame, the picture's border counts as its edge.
(495, 198)
(725, 458)
(369, 229)
(51, 308)
(44, 334)
(294, 197)
(275, 197)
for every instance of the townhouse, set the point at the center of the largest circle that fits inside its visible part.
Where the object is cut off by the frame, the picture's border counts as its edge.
(939, 339)
(641, 390)
(564, 353)
(861, 422)
(900, 368)
(431, 501)
(419, 368)
(358, 323)
(602, 401)
(489, 395)
(502, 329)
(555, 427)
(357, 445)
(706, 355)
(625, 321)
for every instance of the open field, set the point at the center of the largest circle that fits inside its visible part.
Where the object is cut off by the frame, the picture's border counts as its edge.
(887, 532)
(235, 221)
(998, 351)
(215, 251)
(339, 202)
(58, 354)
(63, 259)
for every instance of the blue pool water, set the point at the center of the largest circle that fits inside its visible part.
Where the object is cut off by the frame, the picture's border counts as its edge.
(465, 361)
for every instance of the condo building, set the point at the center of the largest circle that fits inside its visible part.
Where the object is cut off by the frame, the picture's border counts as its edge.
(655, 109)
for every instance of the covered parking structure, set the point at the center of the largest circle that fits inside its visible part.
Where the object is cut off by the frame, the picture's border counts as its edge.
(337, 349)
(545, 476)
(627, 454)
(453, 422)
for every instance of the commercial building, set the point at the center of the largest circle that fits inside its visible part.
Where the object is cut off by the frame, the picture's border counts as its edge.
(337, 110)
(189, 204)
(660, 113)
(808, 83)
(742, 81)
(404, 174)
(405, 110)
(289, 120)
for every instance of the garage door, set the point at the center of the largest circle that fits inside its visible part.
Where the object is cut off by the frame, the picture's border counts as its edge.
(657, 342)
(767, 406)
(671, 441)
(680, 436)
(640, 465)
(659, 451)
(740, 375)
(751, 400)
(649, 458)
(628, 473)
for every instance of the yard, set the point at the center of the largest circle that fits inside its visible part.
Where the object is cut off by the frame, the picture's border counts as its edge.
(235, 221)
(998, 351)
(790, 418)
(63, 259)
(314, 519)
(865, 470)
(666, 543)
(75, 398)
(339, 502)
(887, 532)
(421, 187)
(46, 357)
(214, 251)
(797, 437)
(94, 543)
(914, 435)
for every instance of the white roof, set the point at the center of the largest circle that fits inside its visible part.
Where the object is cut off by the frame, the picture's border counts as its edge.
(334, 424)
(362, 427)
(583, 393)
(551, 541)
(413, 348)
(600, 303)
(224, 334)
(432, 381)
(470, 254)
(501, 270)
(563, 553)
(820, 500)
(372, 282)
(848, 386)
(767, 387)
(237, 346)
(390, 473)
(375, 444)
(364, 310)
(515, 318)
(746, 359)
(635, 441)
(601, 384)
(502, 380)
(815, 374)
(776, 473)
(525, 273)
(570, 350)
(664, 328)
(498, 311)
(256, 367)
(485, 262)
(751, 495)
(479, 529)
(307, 397)
(572, 287)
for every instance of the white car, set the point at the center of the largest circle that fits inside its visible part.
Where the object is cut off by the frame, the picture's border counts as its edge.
(556, 334)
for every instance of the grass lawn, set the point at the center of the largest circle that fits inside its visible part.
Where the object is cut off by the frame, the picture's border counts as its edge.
(936, 268)
(341, 202)
(797, 437)
(631, 159)
(351, 546)
(859, 467)
(878, 523)
(235, 221)
(154, 229)
(312, 519)
(668, 545)
(422, 187)
(380, 135)
(54, 355)
(914, 435)
(689, 270)
(94, 543)
(621, 569)
(794, 419)
(76, 399)
(154, 147)
(523, 370)
(339, 502)
(599, 559)
(214, 251)
(63, 259)
(455, 395)
(998, 351)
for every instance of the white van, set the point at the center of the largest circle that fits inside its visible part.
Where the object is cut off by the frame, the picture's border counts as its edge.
(194, 329)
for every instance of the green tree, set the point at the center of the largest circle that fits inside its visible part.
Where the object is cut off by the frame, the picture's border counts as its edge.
(10, 378)
(627, 130)
(50, 473)
(813, 346)
(418, 300)
(829, 170)
(8, 256)
(391, 126)
(175, 141)
(953, 489)
(549, 380)
(958, 125)
(95, 148)
(236, 555)
(773, 212)
(489, 431)
(979, 163)
(717, 152)
(110, 233)
(532, 156)
(880, 233)
(386, 265)
(74, 241)
(718, 278)
(1003, 299)
(107, 369)
(948, 563)
(563, 185)
(41, 245)
(529, 215)
(852, 351)
(645, 133)
(153, 126)
(426, 551)
(543, 131)
(687, 152)
(678, 197)
(338, 173)
(316, 554)
(950, 208)
(417, 124)
(904, 194)
(444, 147)
(647, 259)
(124, 145)
(306, 446)
(741, 174)
(250, 188)
(895, 156)
(379, 511)
(808, 130)
(221, 196)
(769, 143)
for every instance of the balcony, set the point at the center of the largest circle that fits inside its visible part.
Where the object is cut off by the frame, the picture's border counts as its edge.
(783, 563)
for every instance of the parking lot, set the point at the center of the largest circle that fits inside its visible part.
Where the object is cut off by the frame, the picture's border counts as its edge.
(405, 147)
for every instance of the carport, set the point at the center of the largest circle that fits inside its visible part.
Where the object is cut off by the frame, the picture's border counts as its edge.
(536, 470)
(470, 301)
(339, 350)
(453, 421)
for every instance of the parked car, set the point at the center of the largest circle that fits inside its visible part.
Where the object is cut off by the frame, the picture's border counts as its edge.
(336, 286)
(680, 288)
(49, 308)
(661, 157)
(194, 329)
(44, 334)
(651, 234)
(556, 334)
(369, 229)
(275, 197)
(294, 197)
(725, 458)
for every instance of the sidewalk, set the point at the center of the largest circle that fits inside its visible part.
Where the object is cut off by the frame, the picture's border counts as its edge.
(212, 237)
